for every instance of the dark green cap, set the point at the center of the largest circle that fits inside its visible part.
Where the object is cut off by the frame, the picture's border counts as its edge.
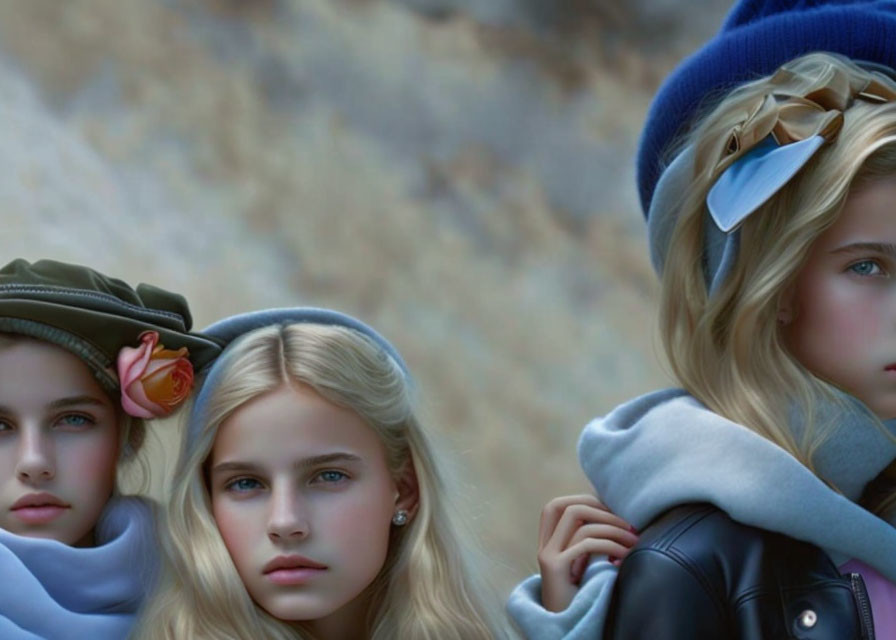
(93, 315)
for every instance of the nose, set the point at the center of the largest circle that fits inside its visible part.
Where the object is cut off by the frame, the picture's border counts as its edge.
(36, 461)
(288, 518)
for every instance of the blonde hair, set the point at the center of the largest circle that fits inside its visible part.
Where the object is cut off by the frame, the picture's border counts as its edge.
(726, 349)
(426, 589)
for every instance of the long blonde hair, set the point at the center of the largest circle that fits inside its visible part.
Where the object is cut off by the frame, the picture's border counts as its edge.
(427, 588)
(726, 349)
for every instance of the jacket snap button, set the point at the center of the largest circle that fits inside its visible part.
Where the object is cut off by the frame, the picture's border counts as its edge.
(807, 619)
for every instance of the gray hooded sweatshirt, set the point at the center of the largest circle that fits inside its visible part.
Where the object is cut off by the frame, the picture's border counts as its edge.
(665, 449)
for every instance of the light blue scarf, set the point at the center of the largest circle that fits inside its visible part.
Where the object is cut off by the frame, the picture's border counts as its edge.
(53, 591)
(666, 449)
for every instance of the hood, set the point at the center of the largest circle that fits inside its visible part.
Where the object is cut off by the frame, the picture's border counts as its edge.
(666, 449)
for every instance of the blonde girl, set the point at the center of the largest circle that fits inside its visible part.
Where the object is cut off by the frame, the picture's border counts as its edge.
(308, 501)
(761, 487)
(82, 365)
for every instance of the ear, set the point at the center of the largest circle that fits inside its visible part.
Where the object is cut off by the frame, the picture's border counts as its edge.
(407, 490)
(786, 306)
(785, 316)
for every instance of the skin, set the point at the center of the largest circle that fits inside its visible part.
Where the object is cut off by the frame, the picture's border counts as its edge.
(59, 435)
(571, 529)
(293, 474)
(839, 318)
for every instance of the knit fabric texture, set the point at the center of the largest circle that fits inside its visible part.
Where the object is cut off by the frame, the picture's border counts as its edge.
(756, 38)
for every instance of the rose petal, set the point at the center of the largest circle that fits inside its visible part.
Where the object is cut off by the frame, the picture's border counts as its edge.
(172, 354)
(132, 362)
(154, 380)
(136, 404)
(169, 383)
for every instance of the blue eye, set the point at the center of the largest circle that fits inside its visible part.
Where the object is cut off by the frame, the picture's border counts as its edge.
(243, 485)
(331, 476)
(75, 420)
(866, 268)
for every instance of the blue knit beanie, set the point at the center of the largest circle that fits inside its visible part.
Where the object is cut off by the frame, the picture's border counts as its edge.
(757, 37)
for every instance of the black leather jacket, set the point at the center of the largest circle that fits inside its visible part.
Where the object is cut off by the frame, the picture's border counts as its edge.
(696, 574)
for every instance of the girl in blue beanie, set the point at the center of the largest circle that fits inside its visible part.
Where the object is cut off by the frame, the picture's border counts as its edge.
(761, 487)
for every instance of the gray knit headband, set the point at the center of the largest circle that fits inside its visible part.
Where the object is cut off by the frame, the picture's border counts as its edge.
(229, 330)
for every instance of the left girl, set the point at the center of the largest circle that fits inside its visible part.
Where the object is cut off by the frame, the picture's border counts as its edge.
(82, 363)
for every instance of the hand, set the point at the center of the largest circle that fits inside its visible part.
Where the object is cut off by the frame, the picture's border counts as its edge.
(572, 528)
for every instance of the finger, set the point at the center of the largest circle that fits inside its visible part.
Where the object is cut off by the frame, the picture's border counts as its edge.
(575, 516)
(591, 547)
(604, 531)
(618, 560)
(554, 509)
(577, 570)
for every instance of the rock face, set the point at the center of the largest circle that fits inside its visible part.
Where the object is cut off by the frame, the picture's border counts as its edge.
(459, 173)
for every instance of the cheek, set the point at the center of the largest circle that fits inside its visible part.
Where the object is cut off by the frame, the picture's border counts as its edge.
(847, 316)
(238, 529)
(8, 459)
(352, 520)
(362, 525)
(92, 460)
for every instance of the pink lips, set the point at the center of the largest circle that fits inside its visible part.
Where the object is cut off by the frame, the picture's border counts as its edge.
(38, 508)
(292, 570)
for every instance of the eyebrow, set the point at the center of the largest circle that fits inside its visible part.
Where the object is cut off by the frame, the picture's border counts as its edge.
(76, 400)
(61, 403)
(876, 247)
(305, 463)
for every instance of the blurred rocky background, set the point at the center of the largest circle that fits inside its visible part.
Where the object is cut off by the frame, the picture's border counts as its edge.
(459, 173)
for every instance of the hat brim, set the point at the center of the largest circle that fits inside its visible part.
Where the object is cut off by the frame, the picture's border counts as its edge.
(108, 332)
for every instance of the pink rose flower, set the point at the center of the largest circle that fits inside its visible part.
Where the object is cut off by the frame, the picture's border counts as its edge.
(154, 380)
